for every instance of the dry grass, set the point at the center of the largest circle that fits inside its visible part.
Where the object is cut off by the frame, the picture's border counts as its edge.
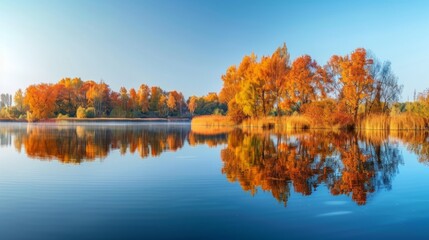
(297, 122)
(407, 121)
(212, 125)
(212, 121)
(263, 123)
(404, 121)
(376, 122)
(278, 123)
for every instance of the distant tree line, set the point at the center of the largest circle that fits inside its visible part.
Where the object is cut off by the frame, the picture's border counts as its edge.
(72, 97)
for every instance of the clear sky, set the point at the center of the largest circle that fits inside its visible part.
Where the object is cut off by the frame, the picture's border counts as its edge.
(188, 45)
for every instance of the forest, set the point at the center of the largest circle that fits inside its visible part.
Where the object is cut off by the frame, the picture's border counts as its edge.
(352, 91)
(74, 98)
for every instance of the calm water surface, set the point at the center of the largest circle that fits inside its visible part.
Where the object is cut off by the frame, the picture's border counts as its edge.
(166, 181)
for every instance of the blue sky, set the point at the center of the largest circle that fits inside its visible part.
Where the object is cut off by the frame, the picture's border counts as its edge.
(188, 45)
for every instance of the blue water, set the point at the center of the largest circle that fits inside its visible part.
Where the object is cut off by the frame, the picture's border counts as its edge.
(184, 190)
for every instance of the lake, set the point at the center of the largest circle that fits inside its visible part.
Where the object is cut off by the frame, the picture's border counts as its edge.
(167, 181)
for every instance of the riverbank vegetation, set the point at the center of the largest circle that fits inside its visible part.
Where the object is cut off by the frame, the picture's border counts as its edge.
(354, 91)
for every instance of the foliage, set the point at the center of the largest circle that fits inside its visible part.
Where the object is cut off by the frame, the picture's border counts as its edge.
(348, 91)
(86, 99)
(80, 112)
(90, 112)
(206, 105)
(407, 121)
(61, 116)
(85, 112)
(343, 163)
(341, 93)
(40, 99)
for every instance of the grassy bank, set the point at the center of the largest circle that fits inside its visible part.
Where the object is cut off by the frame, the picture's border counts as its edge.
(212, 121)
(299, 122)
(277, 123)
(404, 121)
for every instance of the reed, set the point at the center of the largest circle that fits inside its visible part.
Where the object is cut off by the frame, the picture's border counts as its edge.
(375, 122)
(297, 122)
(212, 121)
(407, 121)
(263, 123)
(278, 123)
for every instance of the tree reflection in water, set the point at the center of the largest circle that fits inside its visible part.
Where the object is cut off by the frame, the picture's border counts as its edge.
(346, 163)
(349, 164)
(88, 143)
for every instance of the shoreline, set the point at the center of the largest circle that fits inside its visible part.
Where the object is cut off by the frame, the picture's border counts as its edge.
(98, 120)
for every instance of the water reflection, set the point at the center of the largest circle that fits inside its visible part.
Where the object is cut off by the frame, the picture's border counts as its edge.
(350, 164)
(416, 142)
(75, 144)
(355, 165)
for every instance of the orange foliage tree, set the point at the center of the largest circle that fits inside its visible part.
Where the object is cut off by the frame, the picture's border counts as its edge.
(40, 99)
(143, 98)
(307, 81)
(355, 80)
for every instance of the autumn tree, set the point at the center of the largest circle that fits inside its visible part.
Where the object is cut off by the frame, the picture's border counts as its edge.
(18, 99)
(98, 96)
(252, 96)
(68, 96)
(354, 81)
(307, 81)
(133, 102)
(248, 99)
(40, 99)
(155, 97)
(192, 104)
(123, 93)
(206, 105)
(143, 98)
(231, 86)
(162, 106)
(176, 102)
(171, 102)
(273, 71)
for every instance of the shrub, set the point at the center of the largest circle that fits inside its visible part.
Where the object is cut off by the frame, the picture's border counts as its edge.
(118, 112)
(320, 113)
(60, 116)
(4, 113)
(80, 112)
(90, 112)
